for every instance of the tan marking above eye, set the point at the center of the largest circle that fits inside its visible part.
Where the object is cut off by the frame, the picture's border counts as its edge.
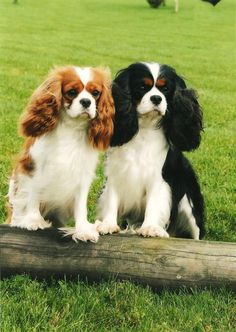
(94, 88)
(78, 86)
(148, 81)
(70, 80)
(161, 82)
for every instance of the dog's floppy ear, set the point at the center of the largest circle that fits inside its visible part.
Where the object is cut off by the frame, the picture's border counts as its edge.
(101, 128)
(126, 119)
(42, 112)
(183, 121)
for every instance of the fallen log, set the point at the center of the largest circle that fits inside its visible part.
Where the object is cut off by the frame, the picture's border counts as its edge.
(169, 263)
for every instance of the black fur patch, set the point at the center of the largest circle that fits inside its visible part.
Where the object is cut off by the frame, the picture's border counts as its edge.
(179, 174)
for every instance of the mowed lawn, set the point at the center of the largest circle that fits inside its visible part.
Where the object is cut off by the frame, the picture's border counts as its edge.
(199, 42)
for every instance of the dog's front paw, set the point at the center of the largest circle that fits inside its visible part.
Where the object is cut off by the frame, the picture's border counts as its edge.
(152, 231)
(85, 233)
(106, 228)
(31, 222)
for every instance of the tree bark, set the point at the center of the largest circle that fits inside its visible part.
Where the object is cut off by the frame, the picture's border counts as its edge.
(160, 263)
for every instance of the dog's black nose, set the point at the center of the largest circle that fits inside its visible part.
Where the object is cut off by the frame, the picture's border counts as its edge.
(156, 100)
(85, 102)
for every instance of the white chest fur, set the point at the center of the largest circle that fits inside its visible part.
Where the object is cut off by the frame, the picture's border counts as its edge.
(133, 167)
(63, 161)
(58, 187)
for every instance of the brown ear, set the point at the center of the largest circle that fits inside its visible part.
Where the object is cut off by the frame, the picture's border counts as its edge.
(101, 128)
(42, 112)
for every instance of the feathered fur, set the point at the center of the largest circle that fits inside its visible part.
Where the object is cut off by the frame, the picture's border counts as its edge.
(149, 181)
(68, 119)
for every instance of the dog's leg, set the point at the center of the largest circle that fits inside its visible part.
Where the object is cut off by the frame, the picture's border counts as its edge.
(31, 218)
(83, 230)
(157, 212)
(110, 203)
(186, 220)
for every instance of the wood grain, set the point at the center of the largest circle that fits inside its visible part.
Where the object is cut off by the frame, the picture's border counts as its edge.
(170, 263)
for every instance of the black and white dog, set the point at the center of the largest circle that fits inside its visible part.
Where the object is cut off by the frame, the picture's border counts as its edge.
(149, 181)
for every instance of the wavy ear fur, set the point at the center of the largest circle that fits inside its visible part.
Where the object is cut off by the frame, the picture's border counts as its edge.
(101, 128)
(183, 121)
(126, 119)
(42, 112)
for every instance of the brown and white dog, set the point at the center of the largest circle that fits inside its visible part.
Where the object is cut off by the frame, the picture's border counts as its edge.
(68, 120)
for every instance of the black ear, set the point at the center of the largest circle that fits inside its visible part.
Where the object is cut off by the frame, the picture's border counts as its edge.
(126, 119)
(183, 121)
(180, 82)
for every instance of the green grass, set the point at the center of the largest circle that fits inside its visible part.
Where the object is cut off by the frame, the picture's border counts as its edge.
(113, 306)
(199, 42)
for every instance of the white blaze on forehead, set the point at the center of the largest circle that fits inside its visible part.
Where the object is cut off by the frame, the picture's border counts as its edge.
(85, 74)
(146, 105)
(76, 108)
(154, 69)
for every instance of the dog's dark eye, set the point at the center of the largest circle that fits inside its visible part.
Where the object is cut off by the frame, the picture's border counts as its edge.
(142, 86)
(72, 93)
(164, 88)
(95, 93)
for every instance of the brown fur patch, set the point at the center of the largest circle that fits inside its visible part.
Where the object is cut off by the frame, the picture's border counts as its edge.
(94, 86)
(43, 111)
(101, 128)
(25, 162)
(9, 212)
(148, 81)
(160, 82)
(68, 76)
